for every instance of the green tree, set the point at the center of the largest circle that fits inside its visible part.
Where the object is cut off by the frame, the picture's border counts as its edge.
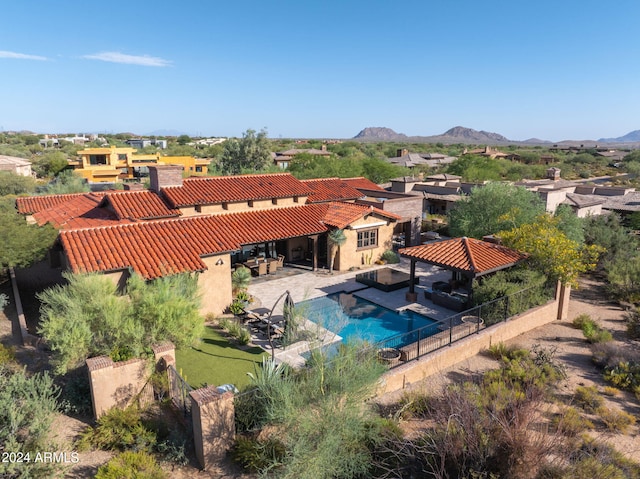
(570, 224)
(336, 239)
(493, 208)
(550, 251)
(183, 140)
(67, 182)
(12, 184)
(88, 317)
(50, 163)
(22, 244)
(249, 153)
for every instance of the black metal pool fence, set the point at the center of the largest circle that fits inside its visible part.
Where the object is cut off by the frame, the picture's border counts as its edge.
(419, 342)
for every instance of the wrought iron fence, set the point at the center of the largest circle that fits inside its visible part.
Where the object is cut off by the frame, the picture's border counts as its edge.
(419, 342)
(179, 391)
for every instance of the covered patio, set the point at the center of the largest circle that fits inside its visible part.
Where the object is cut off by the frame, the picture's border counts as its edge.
(466, 258)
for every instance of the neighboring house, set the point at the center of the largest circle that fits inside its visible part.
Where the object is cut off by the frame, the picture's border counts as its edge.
(111, 164)
(411, 160)
(16, 165)
(140, 143)
(283, 159)
(204, 142)
(224, 221)
(491, 152)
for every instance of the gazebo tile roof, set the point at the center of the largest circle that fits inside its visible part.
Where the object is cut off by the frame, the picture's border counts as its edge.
(465, 254)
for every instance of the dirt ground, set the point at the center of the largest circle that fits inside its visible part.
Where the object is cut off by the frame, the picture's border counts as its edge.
(571, 349)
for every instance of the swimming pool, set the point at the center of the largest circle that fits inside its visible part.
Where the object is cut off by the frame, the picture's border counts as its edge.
(355, 318)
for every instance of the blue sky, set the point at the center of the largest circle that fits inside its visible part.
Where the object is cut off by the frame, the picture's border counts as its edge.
(553, 70)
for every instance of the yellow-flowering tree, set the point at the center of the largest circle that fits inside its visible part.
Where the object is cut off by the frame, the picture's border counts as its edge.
(550, 251)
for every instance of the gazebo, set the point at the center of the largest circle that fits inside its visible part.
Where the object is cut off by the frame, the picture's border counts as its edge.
(466, 258)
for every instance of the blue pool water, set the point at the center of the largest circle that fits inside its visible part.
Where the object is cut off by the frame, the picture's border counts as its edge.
(354, 318)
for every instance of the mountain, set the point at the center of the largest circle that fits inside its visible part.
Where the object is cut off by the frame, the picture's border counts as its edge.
(458, 134)
(380, 134)
(631, 137)
(470, 135)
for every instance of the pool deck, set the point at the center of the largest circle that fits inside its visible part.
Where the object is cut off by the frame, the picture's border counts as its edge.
(311, 285)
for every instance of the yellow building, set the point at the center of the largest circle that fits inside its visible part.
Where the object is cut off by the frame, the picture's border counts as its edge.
(112, 164)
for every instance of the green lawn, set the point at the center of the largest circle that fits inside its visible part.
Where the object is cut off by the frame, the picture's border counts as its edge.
(216, 361)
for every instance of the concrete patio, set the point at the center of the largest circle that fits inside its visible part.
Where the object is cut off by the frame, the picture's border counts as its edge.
(310, 285)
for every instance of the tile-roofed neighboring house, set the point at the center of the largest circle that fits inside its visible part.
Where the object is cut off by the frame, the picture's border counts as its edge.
(139, 205)
(331, 189)
(362, 183)
(466, 255)
(223, 189)
(79, 211)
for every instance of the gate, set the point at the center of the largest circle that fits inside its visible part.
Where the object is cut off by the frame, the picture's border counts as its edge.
(179, 391)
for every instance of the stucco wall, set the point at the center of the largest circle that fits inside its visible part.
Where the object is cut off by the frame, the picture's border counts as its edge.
(446, 357)
(215, 284)
(350, 256)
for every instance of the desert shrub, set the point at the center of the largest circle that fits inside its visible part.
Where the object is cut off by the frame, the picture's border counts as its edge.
(4, 300)
(27, 408)
(580, 320)
(172, 450)
(633, 323)
(120, 430)
(593, 459)
(588, 398)
(609, 355)
(131, 465)
(618, 421)
(591, 329)
(624, 375)
(257, 455)
(390, 257)
(76, 392)
(236, 330)
(7, 354)
(414, 404)
(610, 391)
(570, 422)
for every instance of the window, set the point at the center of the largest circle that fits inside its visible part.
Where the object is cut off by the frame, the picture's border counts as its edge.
(122, 157)
(97, 159)
(368, 238)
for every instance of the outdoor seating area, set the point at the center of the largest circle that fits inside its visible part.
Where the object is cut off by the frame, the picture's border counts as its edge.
(261, 266)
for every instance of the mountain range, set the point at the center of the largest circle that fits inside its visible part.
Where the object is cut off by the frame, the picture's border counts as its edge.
(460, 134)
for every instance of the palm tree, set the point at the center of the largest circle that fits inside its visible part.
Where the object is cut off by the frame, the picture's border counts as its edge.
(240, 279)
(336, 238)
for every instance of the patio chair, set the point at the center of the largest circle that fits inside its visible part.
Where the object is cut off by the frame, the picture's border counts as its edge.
(261, 269)
(281, 261)
(273, 266)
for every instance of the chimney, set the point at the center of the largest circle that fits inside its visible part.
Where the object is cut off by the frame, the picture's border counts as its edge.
(162, 176)
(133, 187)
(323, 147)
(401, 152)
(553, 174)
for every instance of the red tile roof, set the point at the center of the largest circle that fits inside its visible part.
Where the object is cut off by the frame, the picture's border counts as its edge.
(139, 205)
(78, 211)
(330, 189)
(163, 247)
(465, 254)
(340, 215)
(222, 189)
(28, 205)
(362, 183)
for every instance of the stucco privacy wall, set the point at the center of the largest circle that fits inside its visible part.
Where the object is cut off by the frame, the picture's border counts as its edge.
(214, 284)
(213, 424)
(439, 360)
(120, 384)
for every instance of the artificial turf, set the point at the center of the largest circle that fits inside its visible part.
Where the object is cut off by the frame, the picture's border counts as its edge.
(217, 361)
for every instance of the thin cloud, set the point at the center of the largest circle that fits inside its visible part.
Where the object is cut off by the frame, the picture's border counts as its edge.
(21, 56)
(143, 60)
